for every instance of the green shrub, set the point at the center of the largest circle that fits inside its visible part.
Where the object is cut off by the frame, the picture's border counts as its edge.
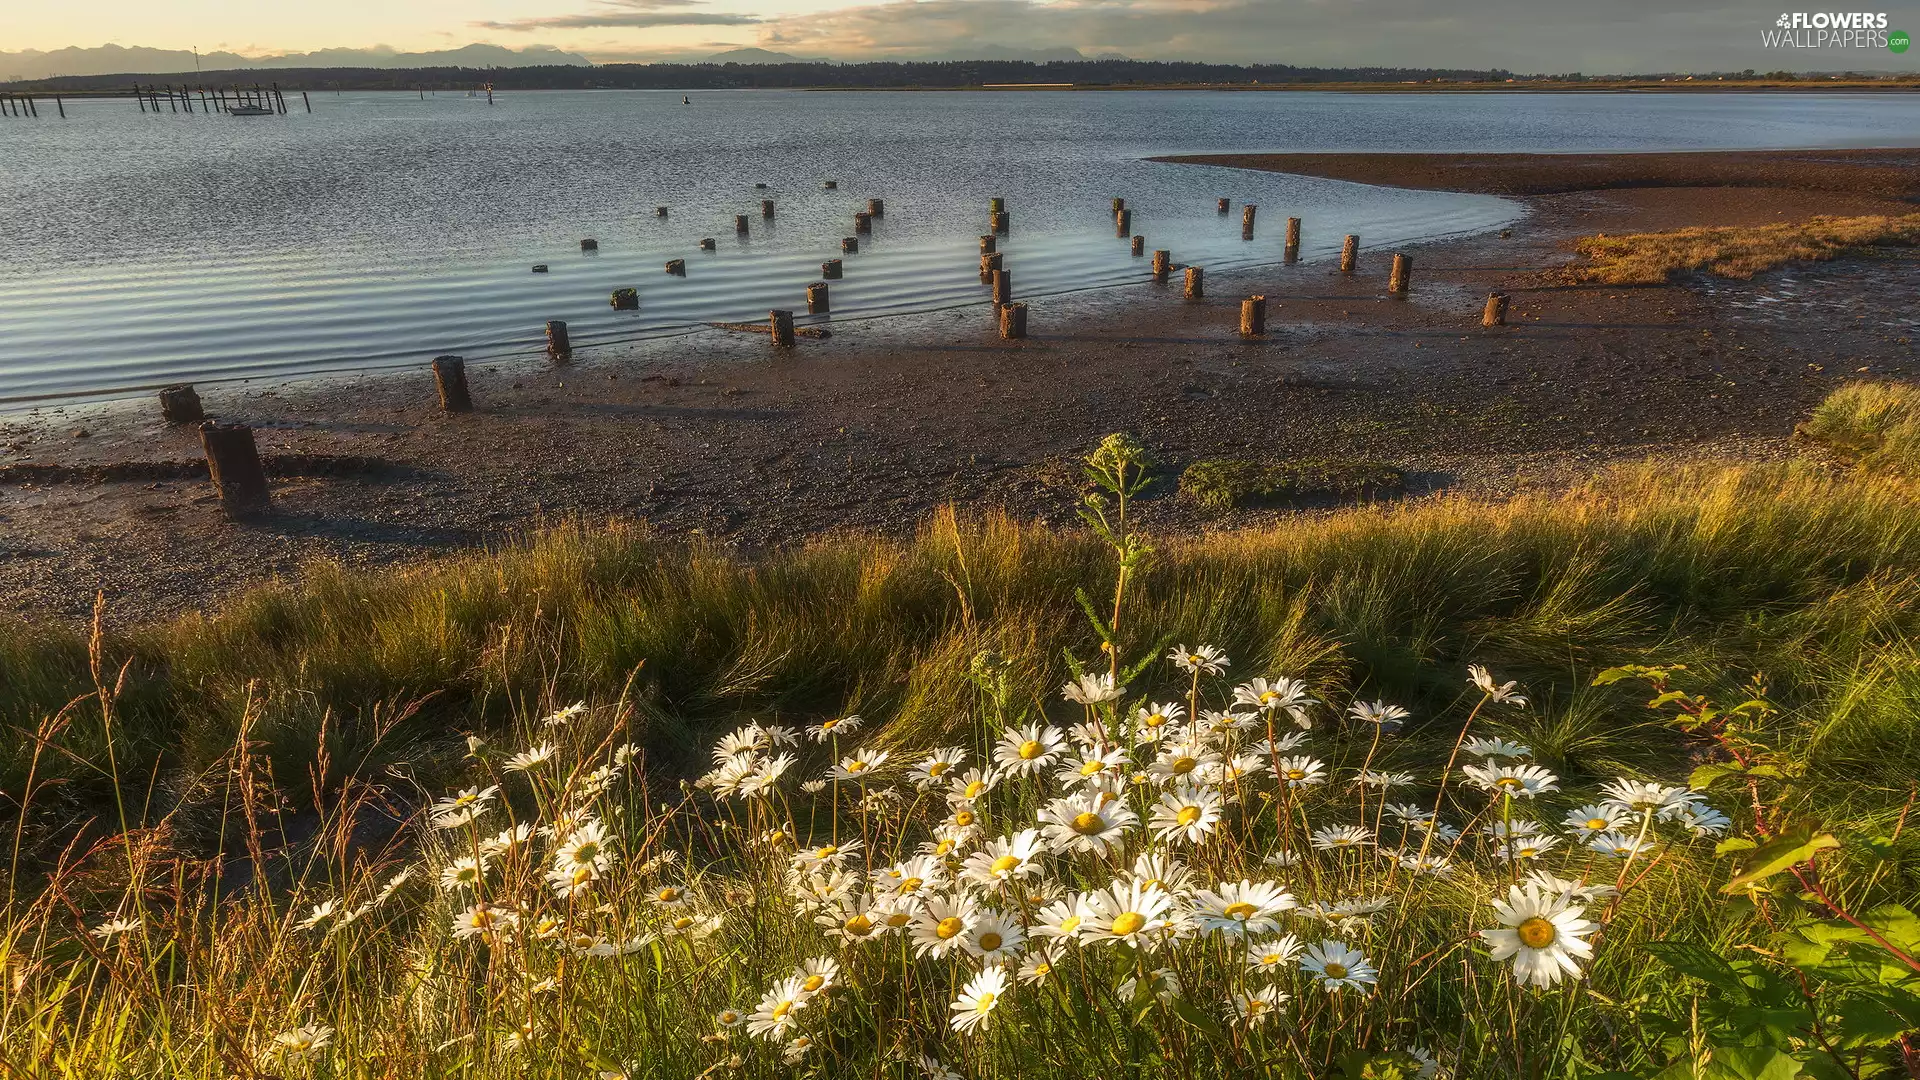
(1226, 483)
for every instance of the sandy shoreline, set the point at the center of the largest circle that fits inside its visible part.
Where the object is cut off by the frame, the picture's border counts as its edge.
(893, 417)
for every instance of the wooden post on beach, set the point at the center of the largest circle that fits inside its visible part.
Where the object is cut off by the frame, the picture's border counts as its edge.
(180, 405)
(849, 245)
(1401, 276)
(559, 345)
(1253, 316)
(990, 263)
(766, 208)
(1496, 312)
(740, 223)
(1293, 240)
(1003, 286)
(1122, 222)
(677, 267)
(830, 269)
(233, 461)
(1225, 205)
(707, 244)
(1196, 290)
(1000, 222)
(625, 300)
(1139, 245)
(1013, 320)
(781, 324)
(1350, 253)
(589, 245)
(877, 207)
(1246, 217)
(817, 299)
(1162, 265)
(862, 222)
(450, 377)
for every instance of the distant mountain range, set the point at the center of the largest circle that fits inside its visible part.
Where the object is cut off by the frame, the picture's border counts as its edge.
(117, 59)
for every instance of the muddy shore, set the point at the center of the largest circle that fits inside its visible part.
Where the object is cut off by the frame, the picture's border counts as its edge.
(889, 418)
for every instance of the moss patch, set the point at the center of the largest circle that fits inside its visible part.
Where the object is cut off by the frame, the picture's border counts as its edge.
(1226, 483)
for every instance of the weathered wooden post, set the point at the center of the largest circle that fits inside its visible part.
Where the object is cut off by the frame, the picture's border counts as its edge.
(708, 244)
(1162, 265)
(1253, 316)
(659, 211)
(559, 345)
(180, 405)
(849, 244)
(677, 267)
(877, 207)
(989, 263)
(997, 205)
(1401, 276)
(1119, 204)
(989, 244)
(307, 101)
(1292, 253)
(1349, 253)
(830, 269)
(589, 245)
(1000, 222)
(740, 223)
(1122, 222)
(817, 300)
(62, 106)
(1496, 312)
(1246, 219)
(1196, 290)
(766, 208)
(1013, 320)
(1003, 286)
(626, 300)
(233, 461)
(781, 324)
(450, 378)
(831, 185)
(862, 222)
(1139, 245)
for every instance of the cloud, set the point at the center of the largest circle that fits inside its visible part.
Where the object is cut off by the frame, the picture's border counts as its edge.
(626, 14)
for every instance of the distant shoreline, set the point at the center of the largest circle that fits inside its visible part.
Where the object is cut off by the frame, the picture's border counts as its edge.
(1541, 87)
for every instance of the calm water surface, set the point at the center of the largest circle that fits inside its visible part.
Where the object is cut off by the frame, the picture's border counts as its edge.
(381, 229)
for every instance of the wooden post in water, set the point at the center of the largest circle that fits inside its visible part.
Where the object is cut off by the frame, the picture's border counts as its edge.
(781, 324)
(32, 109)
(1292, 252)
(180, 405)
(708, 244)
(997, 205)
(307, 101)
(830, 269)
(450, 378)
(1196, 288)
(1496, 312)
(1225, 205)
(61, 105)
(1000, 222)
(1003, 286)
(1253, 316)
(817, 299)
(589, 245)
(677, 267)
(1246, 219)
(1122, 222)
(138, 98)
(766, 208)
(1401, 277)
(877, 207)
(1139, 245)
(849, 245)
(1350, 253)
(740, 223)
(660, 211)
(862, 221)
(1162, 265)
(989, 244)
(989, 263)
(1119, 204)
(233, 461)
(831, 185)
(559, 345)
(1013, 321)
(625, 299)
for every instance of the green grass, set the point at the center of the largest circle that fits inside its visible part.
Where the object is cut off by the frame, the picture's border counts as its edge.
(1875, 425)
(1228, 483)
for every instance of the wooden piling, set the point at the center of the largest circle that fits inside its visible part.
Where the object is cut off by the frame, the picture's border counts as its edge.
(1119, 204)
(1496, 311)
(1253, 316)
(1350, 253)
(817, 299)
(1003, 286)
(997, 205)
(989, 244)
(659, 211)
(849, 245)
(233, 461)
(1139, 245)
(1196, 289)
(1162, 265)
(1001, 222)
(181, 405)
(877, 207)
(766, 208)
(1013, 321)
(1123, 223)
(1401, 277)
(740, 223)
(830, 269)
(1225, 205)
(559, 345)
(589, 245)
(450, 378)
(677, 267)
(1292, 251)
(831, 185)
(862, 221)
(707, 243)
(625, 300)
(61, 105)
(781, 324)
(1246, 219)
(307, 101)
(989, 263)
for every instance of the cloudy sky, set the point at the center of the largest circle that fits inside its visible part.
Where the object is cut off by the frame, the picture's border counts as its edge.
(1523, 35)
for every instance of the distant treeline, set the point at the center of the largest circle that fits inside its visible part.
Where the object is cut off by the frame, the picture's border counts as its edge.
(948, 74)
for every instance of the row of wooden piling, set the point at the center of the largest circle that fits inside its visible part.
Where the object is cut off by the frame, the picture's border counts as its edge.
(214, 99)
(24, 106)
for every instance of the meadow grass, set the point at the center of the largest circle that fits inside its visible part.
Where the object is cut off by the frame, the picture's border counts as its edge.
(215, 783)
(1875, 425)
(1736, 251)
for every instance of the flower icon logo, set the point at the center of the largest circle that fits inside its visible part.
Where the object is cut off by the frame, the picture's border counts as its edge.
(1783, 22)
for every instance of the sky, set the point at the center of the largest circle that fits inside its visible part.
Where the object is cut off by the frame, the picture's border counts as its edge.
(1521, 35)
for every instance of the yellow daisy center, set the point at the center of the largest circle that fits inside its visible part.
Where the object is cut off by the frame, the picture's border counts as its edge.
(1537, 933)
(1240, 910)
(1128, 922)
(829, 725)
(1296, 774)
(782, 1009)
(990, 941)
(683, 922)
(975, 788)
(1336, 971)
(1155, 720)
(1042, 968)
(909, 886)
(858, 926)
(899, 919)
(1005, 863)
(938, 768)
(814, 982)
(1069, 924)
(1182, 765)
(1507, 782)
(1088, 768)
(1089, 824)
(948, 927)
(1598, 823)
(985, 1003)
(856, 765)
(827, 852)
(1030, 749)
(667, 895)
(1187, 815)
(963, 818)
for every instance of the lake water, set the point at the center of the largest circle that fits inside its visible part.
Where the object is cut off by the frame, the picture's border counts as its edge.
(381, 229)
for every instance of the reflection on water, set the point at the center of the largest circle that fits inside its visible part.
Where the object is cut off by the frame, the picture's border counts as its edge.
(135, 249)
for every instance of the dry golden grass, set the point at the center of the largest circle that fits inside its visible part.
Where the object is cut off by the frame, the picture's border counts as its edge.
(1736, 252)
